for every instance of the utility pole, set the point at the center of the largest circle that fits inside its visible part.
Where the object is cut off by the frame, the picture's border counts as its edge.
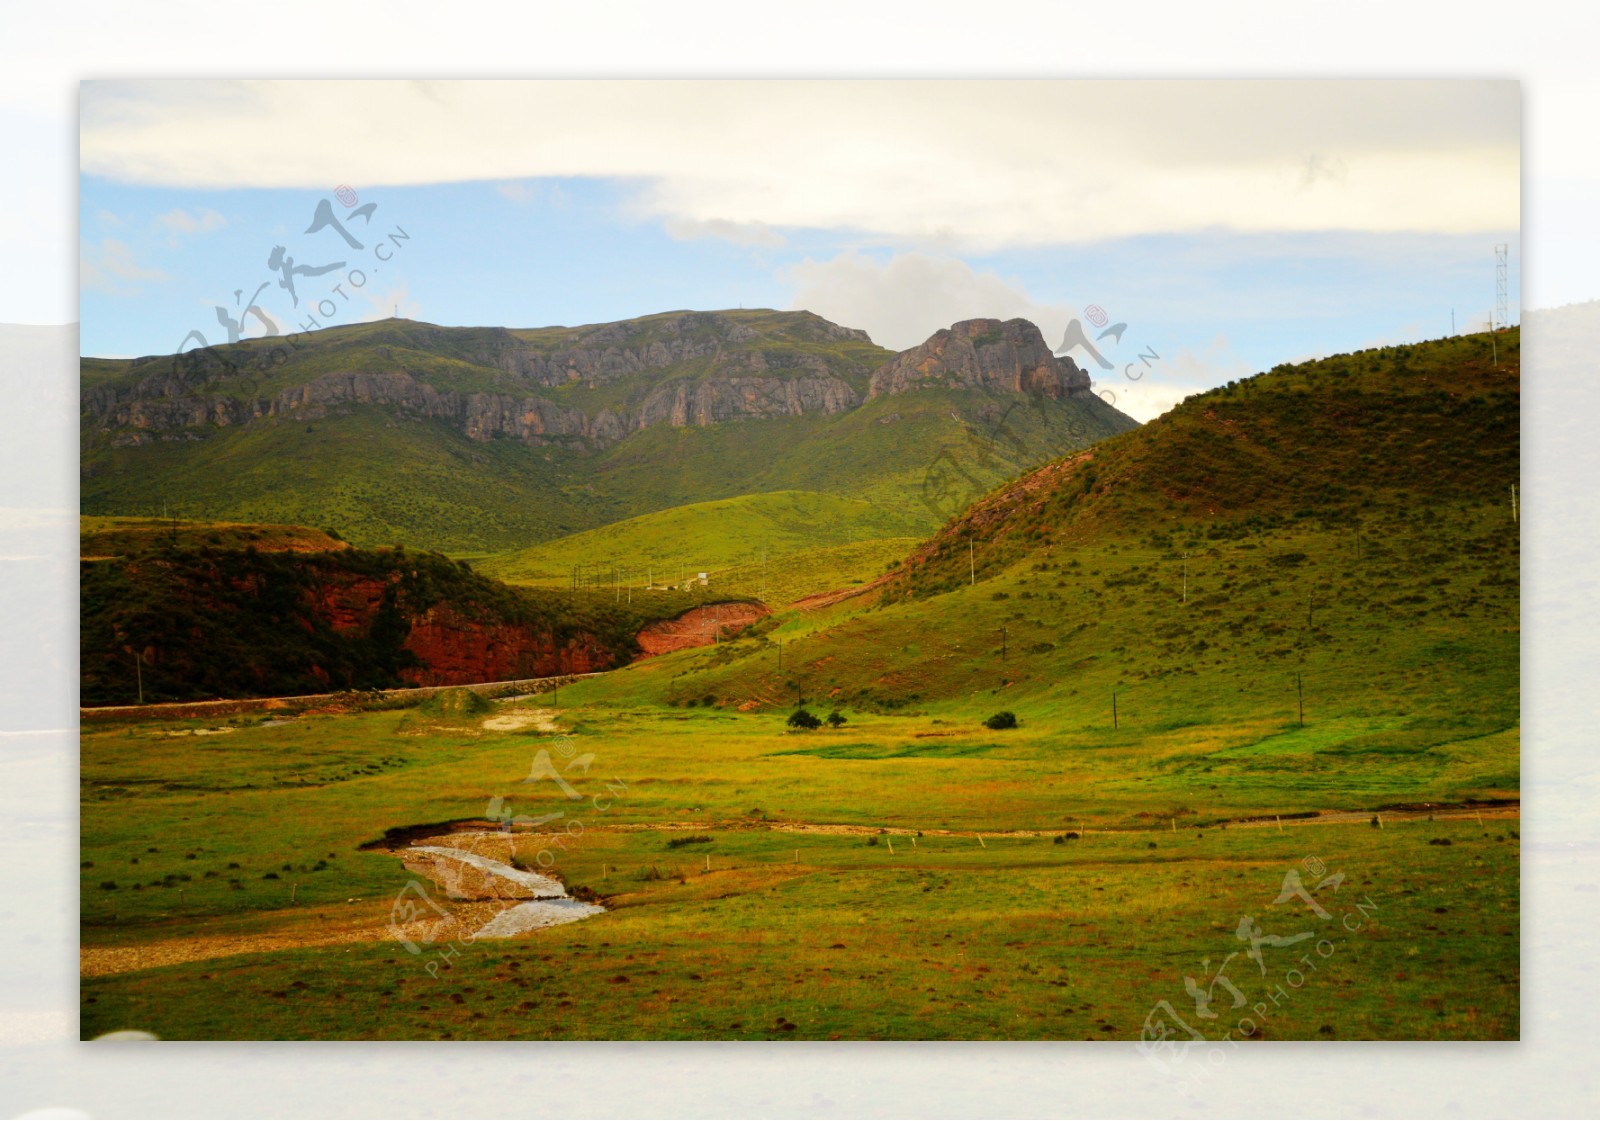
(1113, 708)
(138, 674)
(1500, 320)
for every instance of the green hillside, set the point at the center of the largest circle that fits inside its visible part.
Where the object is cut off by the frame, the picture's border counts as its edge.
(705, 536)
(385, 473)
(107, 538)
(1336, 535)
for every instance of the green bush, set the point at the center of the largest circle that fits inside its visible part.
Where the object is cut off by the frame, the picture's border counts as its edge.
(802, 719)
(697, 839)
(1001, 720)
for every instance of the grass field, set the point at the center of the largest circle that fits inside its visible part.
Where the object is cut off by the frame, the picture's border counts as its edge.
(946, 936)
(728, 534)
(1263, 660)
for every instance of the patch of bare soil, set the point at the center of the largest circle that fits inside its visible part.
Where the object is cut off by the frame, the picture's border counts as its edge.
(699, 626)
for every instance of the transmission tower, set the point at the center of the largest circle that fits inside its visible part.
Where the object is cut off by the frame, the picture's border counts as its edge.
(1500, 322)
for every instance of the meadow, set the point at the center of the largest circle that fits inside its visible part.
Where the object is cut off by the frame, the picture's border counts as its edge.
(1262, 659)
(897, 877)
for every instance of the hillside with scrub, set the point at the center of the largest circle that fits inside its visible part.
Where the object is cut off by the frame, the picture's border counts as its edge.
(1306, 578)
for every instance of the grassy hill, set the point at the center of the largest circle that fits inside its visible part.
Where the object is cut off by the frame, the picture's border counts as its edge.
(706, 536)
(1333, 539)
(108, 538)
(240, 611)
(385, 474)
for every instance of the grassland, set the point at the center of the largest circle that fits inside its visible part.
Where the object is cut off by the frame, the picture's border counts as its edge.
(810, 543)
(105, 538)
(1294, 597)
(945, 936)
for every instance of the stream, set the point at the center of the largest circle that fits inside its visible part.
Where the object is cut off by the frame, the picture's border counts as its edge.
(550, 905)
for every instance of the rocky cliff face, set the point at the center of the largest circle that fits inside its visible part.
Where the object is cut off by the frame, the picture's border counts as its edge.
(730, 372)
(455, 650)
(983, 353)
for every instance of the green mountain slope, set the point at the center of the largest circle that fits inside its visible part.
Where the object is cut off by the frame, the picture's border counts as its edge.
(478, 440)
(707, 536)
(1336, 535)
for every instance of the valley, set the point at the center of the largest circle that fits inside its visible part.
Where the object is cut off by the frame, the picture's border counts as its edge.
(1258, 663)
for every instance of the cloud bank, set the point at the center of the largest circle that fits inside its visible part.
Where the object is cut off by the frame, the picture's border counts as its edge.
(976, 165)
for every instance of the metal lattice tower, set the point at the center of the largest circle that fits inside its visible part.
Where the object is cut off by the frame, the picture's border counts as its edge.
(1500, 322)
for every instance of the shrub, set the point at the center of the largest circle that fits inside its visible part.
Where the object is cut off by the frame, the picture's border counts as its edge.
(697, 839)
(455, 704)
(1001, 720)
(802, 719)
(835, 718)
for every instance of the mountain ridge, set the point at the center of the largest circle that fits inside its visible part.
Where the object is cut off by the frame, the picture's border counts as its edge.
(722, 367)
(480, 440)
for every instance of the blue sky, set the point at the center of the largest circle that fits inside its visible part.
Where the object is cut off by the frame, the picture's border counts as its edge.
(1222, 263)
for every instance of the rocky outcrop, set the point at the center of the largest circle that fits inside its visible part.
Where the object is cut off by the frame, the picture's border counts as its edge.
(983, 354)
(487, 416)
(730, 372)
(456, 650)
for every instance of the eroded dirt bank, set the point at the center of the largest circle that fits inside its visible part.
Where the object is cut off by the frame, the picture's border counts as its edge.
(699, 626)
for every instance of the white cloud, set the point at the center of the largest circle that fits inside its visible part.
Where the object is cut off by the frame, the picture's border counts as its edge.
(903, 300)
(752, 234)
(390, 302)
(181, 221)
(109, 267)
(1159, 385)
(1145, 401)
(974, 164)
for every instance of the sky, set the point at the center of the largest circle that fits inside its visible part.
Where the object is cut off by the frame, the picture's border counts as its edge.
(1229, 225)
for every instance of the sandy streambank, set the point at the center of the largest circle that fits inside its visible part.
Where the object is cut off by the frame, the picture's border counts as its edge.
(465, 873)
(487, 898)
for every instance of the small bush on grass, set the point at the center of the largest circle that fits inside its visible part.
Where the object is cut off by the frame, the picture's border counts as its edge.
(803, 720)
